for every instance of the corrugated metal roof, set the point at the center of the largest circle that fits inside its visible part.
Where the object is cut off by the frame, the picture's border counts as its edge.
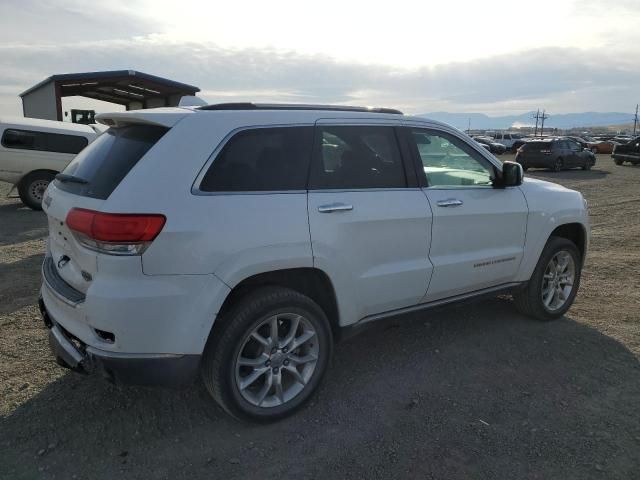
(106, 75)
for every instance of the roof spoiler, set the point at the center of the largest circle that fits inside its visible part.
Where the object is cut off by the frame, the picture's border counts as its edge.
(191, 101)
(163, 117)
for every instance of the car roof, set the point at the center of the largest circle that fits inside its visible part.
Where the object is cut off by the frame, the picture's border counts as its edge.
(260, 113)
(46, 125)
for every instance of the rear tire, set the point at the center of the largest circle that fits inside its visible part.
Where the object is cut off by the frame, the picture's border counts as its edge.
(558, 165)
(243, 347)
(31, 188)
(617, 161)
(530, 300)
(594, 150)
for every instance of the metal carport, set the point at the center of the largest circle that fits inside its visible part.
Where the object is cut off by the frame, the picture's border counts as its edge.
(130, 88)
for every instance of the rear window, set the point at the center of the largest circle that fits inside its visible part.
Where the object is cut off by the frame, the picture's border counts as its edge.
(105, 162)
(43, 141)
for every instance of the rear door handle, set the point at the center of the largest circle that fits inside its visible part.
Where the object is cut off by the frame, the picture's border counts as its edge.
(450, 202)
(334, 207)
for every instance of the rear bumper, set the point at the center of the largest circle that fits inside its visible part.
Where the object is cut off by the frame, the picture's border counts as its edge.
(128, 369)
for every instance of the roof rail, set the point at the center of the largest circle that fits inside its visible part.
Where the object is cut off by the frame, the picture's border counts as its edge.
(296, 106)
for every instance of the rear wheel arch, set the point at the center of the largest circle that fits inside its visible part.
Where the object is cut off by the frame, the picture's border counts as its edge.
(308, 281)
(35, 172)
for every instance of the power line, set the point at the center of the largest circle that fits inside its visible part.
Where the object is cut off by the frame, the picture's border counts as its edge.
(540, 117)
(536, 116)
(543, 117)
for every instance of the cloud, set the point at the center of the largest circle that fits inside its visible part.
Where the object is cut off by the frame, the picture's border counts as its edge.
(561, 79)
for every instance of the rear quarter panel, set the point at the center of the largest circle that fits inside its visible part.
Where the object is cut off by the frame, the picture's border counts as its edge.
(233, 235)
(16, 163)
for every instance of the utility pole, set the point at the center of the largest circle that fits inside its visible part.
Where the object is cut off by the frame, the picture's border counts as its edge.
(543, 117)
(536, 116)
(469, 125)
(635, 121)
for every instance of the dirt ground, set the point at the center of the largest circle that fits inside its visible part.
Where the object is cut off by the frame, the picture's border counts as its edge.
(474, 391)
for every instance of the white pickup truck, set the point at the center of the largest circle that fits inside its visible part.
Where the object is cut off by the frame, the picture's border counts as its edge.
(237, 241)
(33, 151)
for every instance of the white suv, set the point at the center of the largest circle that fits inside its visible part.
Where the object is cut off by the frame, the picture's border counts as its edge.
(240, 240)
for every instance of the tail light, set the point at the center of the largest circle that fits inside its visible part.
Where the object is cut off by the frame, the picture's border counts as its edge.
(115, 233)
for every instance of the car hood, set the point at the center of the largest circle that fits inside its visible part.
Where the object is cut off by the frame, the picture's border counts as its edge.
(551, 195)
(535, 184)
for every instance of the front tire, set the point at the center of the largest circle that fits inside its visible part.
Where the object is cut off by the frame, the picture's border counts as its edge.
(268, 356)
(555, 281)
(31, 188)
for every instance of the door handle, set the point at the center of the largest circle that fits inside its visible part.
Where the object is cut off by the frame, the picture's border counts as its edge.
(450, 202)
(334, 207)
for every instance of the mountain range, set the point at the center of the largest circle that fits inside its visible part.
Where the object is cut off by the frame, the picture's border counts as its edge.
(480, 121)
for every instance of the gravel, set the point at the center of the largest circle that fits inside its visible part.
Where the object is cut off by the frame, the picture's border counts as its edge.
(473, 391)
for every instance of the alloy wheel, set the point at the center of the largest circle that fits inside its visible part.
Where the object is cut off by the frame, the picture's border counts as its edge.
(558, 280)
(277, 360)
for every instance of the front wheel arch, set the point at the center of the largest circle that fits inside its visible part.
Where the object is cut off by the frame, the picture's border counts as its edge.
(574, 232)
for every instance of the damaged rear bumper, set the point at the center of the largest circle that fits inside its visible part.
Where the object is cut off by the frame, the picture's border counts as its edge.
(122, 368)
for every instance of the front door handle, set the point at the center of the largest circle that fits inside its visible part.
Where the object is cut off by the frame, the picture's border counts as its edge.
(335, 207)
(450, 202)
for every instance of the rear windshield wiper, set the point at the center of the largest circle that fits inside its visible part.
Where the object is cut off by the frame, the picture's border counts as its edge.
(63, 177)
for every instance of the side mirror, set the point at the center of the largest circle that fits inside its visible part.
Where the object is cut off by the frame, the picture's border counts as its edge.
(511, 175)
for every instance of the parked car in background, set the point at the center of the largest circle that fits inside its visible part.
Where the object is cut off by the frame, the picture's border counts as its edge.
(239, 255)
(555, 154)
(33, 151)
(518, 143)
(507, 139)
(602, 146)
(627, 152)
(494, 147)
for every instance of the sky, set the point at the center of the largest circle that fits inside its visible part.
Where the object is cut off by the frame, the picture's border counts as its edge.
(495, 57)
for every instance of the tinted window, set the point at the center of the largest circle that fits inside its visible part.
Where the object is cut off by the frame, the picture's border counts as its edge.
(575, 146)
(262, 159)
(105, 162)
(447, 161)
(48, 142)
(537, 146)
(357, 157)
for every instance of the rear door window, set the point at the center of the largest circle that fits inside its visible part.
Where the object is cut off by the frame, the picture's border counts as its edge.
(262, 159)
(356, 157)
(103, 164)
